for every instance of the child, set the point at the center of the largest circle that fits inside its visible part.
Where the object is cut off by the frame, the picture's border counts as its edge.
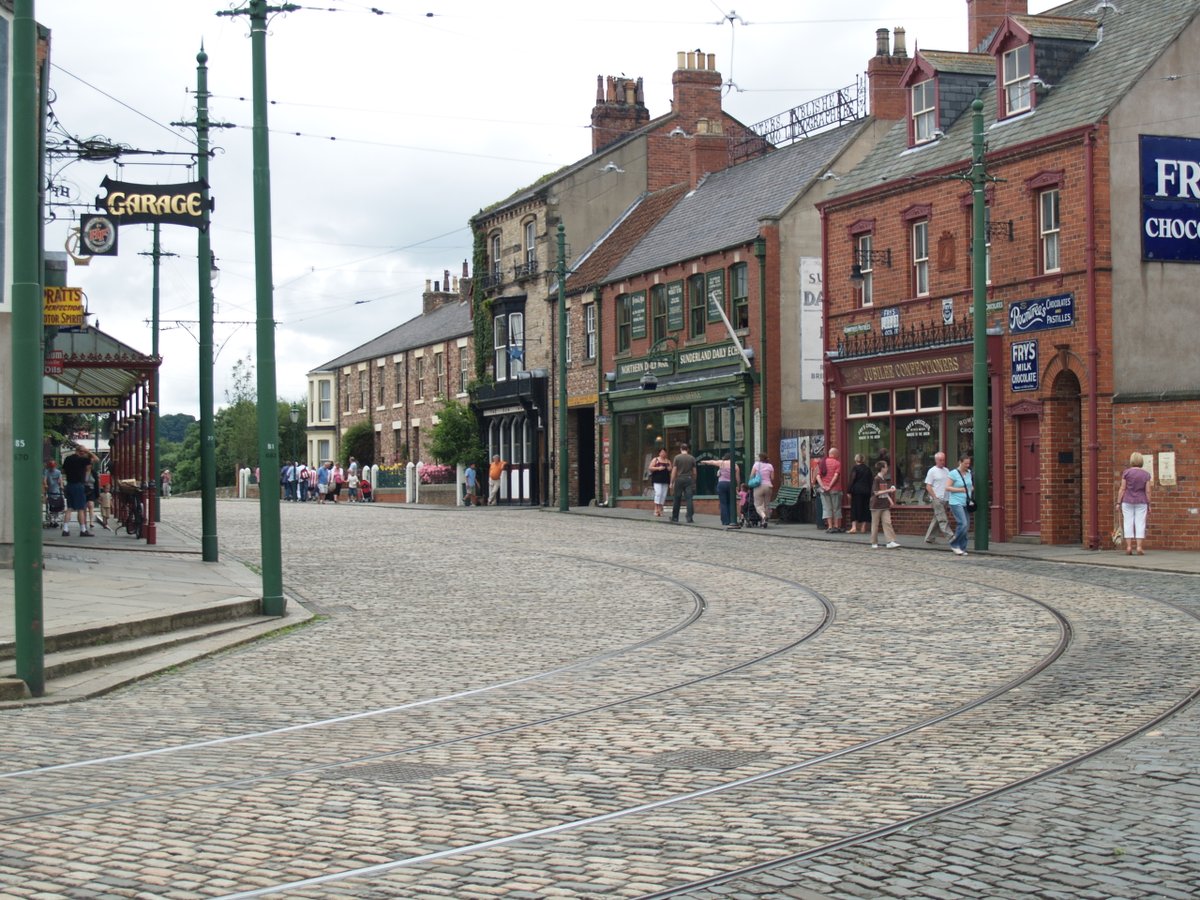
(352, 486)
(105, 506)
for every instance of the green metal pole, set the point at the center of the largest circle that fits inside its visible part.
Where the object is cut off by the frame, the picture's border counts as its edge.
(155, 256)
(979, 327)
(563, 480)
(734, 481)
(27, 361)
(760, 250)
(274, 603)
(208, 443)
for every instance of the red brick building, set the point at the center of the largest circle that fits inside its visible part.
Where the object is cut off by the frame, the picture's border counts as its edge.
(1086, 361)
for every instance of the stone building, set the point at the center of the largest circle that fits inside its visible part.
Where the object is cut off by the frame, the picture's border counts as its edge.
(398, 381)
(1090, 226)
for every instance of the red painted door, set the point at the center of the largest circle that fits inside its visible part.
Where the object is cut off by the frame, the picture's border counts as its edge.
(1029, 475)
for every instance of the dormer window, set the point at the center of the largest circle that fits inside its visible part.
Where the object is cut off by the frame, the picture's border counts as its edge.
(1018, 89)
(924, 112)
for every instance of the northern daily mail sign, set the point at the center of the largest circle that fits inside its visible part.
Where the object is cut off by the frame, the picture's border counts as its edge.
(1170, 183)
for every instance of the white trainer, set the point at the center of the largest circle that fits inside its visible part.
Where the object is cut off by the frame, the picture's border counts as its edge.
(892, 545)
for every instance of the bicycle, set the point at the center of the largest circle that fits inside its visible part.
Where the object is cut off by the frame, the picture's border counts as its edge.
(132, 517)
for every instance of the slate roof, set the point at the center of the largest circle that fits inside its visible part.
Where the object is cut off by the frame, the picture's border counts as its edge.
(1133, 39)
(1058, 28)
(725, 209)
(445, 323)
(960, 63)
(611, 248)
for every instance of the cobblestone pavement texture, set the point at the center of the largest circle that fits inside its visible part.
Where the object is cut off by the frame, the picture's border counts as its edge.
(505, 703)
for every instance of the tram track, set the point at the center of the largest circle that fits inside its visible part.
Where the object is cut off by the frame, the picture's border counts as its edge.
(566, 828)
(700, 606)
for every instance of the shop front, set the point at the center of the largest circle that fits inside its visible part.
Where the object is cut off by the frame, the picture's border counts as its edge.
(698, 396)
(904, 407)
(514, 428)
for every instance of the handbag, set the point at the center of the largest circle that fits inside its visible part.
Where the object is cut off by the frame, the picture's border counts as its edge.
(755, 481)
(1118, 532)
(971, 503)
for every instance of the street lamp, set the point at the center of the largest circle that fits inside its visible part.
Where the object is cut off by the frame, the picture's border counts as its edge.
(294, 412)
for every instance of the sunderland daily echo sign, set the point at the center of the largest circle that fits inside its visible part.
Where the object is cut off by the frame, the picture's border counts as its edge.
(1170, 180)
(165, 204)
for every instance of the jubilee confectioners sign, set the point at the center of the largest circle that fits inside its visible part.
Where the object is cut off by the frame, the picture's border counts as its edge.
(1170, 180)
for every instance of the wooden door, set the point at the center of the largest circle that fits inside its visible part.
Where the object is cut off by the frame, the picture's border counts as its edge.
(1029, 476)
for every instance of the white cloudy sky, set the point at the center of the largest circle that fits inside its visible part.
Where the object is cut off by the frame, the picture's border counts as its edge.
(387, 133)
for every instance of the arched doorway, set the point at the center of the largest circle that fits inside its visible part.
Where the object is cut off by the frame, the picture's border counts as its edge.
(1062, 474)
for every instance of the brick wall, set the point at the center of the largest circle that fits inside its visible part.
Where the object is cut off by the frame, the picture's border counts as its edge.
(1150, 426)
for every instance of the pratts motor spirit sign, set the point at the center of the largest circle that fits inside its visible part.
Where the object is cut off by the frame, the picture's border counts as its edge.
(166, 204)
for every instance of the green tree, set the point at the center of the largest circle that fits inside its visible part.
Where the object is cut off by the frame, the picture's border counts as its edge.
(185, 474)
(291, 437)
(359, 442)
(455, 437)
(173, 426)
(235, 429)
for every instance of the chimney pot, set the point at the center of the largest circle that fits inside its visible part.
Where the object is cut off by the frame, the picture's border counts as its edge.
(428, 285)
(898, 46)
(881, 42)
(679, 59)
(466, 272)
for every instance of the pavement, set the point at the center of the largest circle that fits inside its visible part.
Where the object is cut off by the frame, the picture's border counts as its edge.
(523, 704)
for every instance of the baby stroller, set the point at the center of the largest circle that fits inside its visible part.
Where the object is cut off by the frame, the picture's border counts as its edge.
(364, 490)
(750, 517)
(55, 504)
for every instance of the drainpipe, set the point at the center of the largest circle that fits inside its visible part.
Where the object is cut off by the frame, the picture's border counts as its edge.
(1093, 351)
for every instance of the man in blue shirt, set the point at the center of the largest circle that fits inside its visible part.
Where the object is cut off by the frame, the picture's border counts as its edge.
(323, 482)
(469, 491)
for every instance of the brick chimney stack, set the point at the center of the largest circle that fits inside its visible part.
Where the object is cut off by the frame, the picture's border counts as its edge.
(709, 150)
(438, 293)
(985, 16)
(619, 110)
(884, 70)
(696, 88)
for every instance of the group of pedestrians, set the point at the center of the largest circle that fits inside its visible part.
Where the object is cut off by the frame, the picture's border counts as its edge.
(324, 483)
(76, 485)
(950, 493)
(872, 493)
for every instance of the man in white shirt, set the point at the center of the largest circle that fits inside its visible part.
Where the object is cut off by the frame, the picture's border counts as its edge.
(936, 480)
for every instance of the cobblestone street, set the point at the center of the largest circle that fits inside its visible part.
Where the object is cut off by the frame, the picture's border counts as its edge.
(518, 703)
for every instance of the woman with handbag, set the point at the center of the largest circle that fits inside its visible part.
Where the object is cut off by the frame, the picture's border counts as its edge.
(660, 478)
(764, 472)
(883, 498)
(1134, 503)
(958, 494)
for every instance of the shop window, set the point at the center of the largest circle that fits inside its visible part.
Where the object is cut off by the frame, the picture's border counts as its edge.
(881, 402)
(740, 294)
(920, 258)
(960, 436)
(658, 312)
(959, 396)
(697, 306)
(929, 397)
(906, 400)
(640, 437)
(624, 319)
(924, 112)
(1017, 86)
(710, 440)
(856, 405)
(872, 439)
(1048, 226)
(918, 438)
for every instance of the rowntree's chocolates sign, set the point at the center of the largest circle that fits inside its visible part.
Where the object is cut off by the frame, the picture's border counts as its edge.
(165, 204)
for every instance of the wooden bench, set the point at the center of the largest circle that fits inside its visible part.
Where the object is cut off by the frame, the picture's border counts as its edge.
(787, 502)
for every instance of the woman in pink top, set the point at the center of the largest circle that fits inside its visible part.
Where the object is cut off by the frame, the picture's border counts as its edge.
(1134, 500)
(762, 493)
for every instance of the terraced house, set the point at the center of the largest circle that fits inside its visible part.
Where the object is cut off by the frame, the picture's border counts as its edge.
(516, 292)
(1093, 151)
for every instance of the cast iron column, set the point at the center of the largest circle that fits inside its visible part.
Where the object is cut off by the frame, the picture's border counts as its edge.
(979, 327)
(27, 360)
(563, 479)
